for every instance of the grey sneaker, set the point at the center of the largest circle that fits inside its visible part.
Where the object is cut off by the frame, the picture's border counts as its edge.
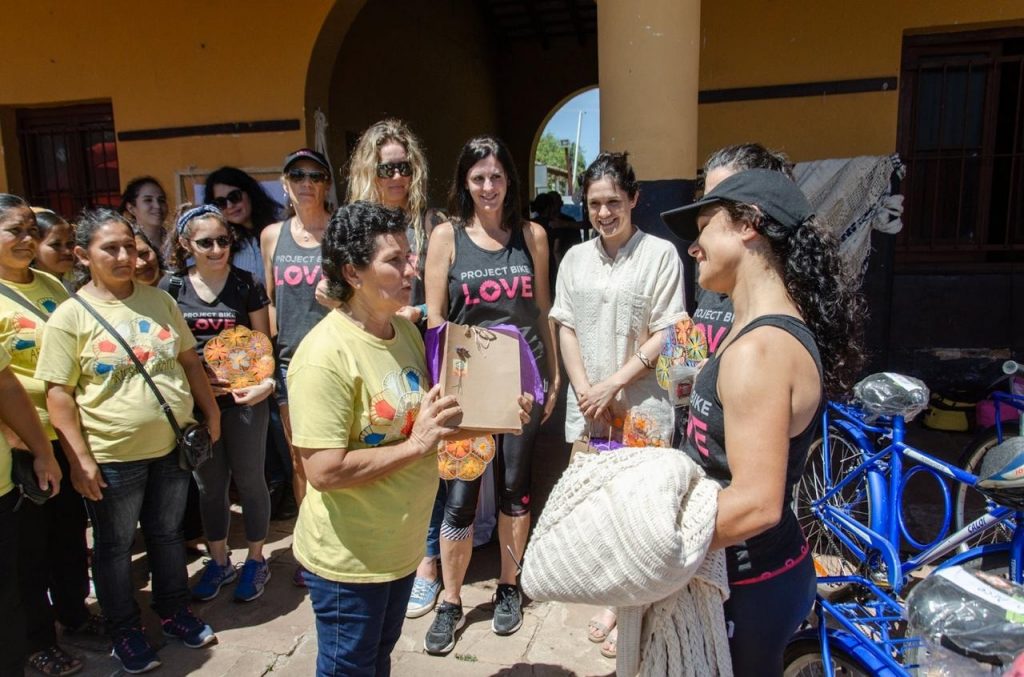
(508, 610)
(440, 637)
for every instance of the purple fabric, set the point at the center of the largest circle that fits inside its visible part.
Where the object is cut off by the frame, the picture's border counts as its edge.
(529, 375)
(602, 444)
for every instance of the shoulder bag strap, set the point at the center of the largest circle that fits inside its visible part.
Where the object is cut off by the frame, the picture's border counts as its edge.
(175, 285)
(138, 365)
(22, 301)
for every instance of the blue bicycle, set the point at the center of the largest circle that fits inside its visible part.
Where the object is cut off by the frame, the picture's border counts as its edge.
(970, 504)
(851, 506)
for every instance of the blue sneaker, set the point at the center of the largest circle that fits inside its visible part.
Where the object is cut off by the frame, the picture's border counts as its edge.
(214, 577)
(252, 581)
(134, 652)
(423, 598)
(189, 628)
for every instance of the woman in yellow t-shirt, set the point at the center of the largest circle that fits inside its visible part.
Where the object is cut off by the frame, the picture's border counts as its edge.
(18, 414)
(120, 446)
(53, 559)
(366, 428)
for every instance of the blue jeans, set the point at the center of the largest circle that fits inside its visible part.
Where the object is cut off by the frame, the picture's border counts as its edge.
(151, 492)
(436, 516)
(357, 624)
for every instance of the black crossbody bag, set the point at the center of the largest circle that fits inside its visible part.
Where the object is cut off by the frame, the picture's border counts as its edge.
(22, 472)
(194, 444)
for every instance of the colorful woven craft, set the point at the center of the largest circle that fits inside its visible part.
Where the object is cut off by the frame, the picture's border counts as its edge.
(240, 357)
(685, 343)
(465, 459)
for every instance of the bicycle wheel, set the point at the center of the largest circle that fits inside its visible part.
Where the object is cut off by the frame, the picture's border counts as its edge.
(831, 557)
(969, 504)
(803, 659)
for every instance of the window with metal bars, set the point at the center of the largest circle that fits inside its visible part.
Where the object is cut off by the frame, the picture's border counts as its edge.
(961, 134)
(69, 157)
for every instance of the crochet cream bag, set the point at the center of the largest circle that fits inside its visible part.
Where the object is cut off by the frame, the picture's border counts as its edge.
(622, 528)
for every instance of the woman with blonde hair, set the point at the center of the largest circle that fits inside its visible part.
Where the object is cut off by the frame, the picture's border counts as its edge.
(388, 167)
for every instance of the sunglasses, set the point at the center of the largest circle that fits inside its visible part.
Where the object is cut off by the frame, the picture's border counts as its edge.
(297, 176)
(206, 243)
(385, 170)
(234, 197)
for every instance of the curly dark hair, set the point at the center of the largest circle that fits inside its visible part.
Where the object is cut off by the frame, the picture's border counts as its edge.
(614, 166)
(351, 237)
(460, 202)
(822, 287)
(264, 207)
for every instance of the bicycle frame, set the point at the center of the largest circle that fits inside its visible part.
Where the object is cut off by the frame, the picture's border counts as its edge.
(865, 629)
(1008, 399)
(879, 541)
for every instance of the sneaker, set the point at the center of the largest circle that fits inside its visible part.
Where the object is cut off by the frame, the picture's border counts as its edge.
(90, 635)
(189, 628)
(255, 575)
(440, 637)
(423, 598)
(298, 580)
(214, 577)
(508, 610)
(135, 652)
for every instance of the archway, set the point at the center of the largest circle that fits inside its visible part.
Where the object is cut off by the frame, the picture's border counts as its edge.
(575, 115)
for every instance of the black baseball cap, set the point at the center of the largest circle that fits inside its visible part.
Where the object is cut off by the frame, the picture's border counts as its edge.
(306, 154)
(772, 192)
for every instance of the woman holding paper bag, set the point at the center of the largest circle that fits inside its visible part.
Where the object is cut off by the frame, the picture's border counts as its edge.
(616, 296)
(366, 429)
(485, 267)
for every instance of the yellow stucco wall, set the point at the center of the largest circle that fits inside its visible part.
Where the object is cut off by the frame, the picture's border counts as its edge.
(774, 42)
(166, 64)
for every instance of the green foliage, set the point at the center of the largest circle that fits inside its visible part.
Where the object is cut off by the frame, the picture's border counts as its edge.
(551, 153)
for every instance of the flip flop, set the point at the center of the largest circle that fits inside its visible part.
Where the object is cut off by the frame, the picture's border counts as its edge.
(608, 649)
(597, 631)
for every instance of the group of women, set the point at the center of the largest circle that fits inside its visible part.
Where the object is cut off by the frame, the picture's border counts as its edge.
(347, 297)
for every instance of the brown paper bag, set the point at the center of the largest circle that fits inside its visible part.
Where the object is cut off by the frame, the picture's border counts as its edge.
(480, 368)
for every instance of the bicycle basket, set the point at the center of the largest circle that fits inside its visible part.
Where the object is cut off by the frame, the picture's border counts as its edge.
(891, 394)
(1001, 476)
(972, 613)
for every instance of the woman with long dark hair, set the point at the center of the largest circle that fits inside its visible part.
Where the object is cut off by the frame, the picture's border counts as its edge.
(755, 405)
(248, 208)
(486, 245)
(144, 203)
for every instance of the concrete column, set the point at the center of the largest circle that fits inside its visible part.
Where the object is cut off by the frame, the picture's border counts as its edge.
(648, 63)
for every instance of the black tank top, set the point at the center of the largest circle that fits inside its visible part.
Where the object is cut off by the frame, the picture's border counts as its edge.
(487, 288)
(783, 545)
(296, 274)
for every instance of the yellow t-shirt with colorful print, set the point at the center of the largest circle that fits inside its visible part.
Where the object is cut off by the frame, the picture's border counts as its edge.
(120, 415)
(350, 390)
(21, 333)
(5, 450)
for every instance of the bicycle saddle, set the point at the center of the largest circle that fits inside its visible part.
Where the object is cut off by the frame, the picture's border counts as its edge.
(891, 394)
(1001, 477)
(970, 612)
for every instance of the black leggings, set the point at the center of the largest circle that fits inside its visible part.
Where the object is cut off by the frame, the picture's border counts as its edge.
(761, 618)
(512, 473)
